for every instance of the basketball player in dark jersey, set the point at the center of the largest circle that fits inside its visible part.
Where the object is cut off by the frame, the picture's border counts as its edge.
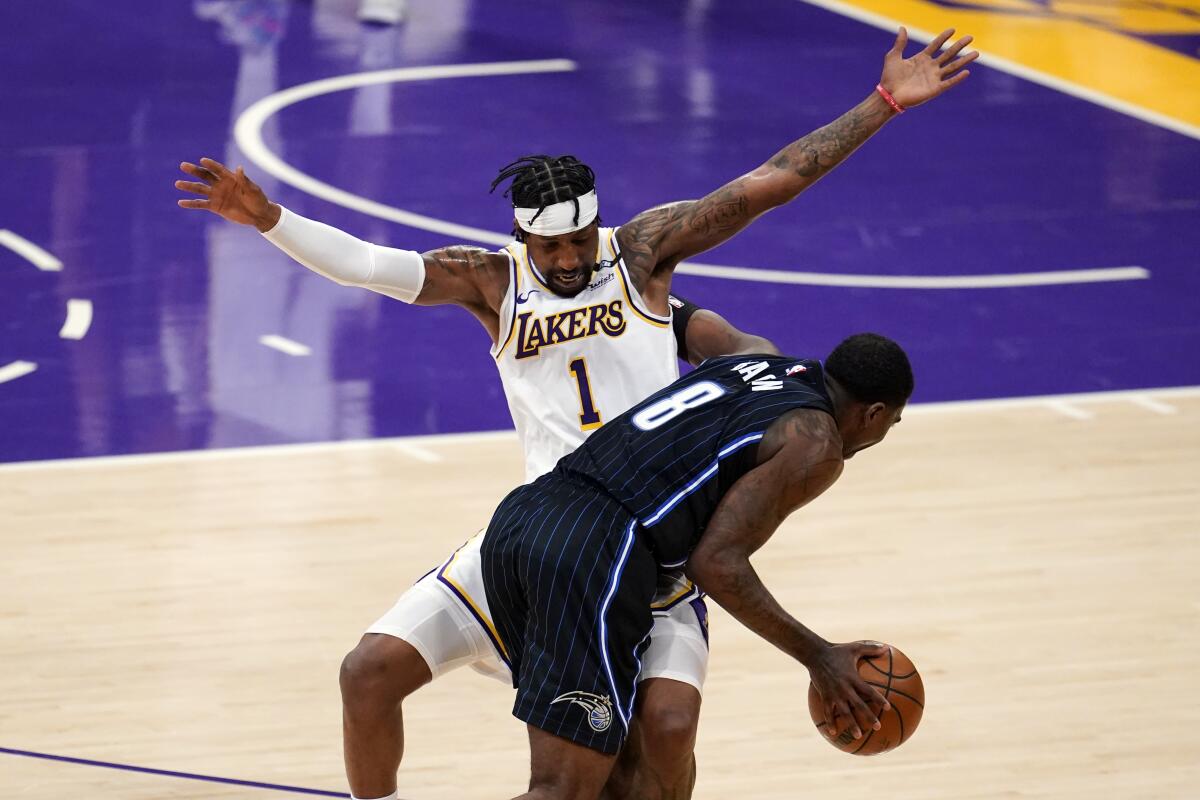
(652, 244)
(699, 474)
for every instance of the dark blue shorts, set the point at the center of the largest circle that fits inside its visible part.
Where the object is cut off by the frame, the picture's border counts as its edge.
(569, 585)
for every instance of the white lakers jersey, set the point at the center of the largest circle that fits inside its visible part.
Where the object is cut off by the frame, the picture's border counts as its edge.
(570, 364)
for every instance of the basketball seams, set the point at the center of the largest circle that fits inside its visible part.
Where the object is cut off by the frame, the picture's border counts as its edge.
(888, 672)
(899, 692)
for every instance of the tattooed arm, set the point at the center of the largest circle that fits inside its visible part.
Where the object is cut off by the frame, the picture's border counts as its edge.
(660, 238)
(799, 458)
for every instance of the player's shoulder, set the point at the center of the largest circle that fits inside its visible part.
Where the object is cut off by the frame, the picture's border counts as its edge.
(806, 437)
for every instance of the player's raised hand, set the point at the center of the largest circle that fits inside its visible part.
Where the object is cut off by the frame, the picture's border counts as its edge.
(912, 81)
(850, 703)
(227, 194)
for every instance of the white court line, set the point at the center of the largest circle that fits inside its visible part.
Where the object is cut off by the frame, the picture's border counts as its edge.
(1020, 70)
(992, 404)
(483, 437)
(1100, 275)
(78, 321)
(16, 369)
(418, 452)
(284, 345)
(248, 134)
(30, 252)
(1069, 410)
(1150, 404)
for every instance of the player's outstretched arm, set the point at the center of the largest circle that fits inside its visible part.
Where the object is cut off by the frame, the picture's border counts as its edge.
(662, 237)
(800, 457)
(705, 334)
(468, 276)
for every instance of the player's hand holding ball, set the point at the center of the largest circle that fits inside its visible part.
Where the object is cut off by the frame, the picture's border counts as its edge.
(866, 697)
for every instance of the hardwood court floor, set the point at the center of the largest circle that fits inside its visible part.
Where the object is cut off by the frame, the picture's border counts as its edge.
(189, 613)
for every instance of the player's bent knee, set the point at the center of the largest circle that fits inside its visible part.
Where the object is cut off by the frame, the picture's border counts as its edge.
(382, 670)
(669, 717)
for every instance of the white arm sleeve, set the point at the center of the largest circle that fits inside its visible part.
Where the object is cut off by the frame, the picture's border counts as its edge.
(347, 260)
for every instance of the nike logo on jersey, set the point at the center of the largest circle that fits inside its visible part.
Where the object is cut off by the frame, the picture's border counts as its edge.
(534, 333)
(524, 298)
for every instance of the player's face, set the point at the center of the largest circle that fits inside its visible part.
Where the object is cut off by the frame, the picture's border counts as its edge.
(567, 261)
(877, 420)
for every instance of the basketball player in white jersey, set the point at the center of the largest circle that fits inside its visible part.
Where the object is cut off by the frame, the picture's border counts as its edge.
(580, 322)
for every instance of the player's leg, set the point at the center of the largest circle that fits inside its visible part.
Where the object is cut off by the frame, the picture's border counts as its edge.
(425, 634)
(564, 770)
(658, 761)
(376, 677)
(569, 585)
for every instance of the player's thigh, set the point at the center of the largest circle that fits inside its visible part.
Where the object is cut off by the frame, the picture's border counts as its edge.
(433, 622)
(564, 770)
(678, 648)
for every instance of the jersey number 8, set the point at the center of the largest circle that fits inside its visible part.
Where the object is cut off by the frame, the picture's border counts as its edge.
(662, 411)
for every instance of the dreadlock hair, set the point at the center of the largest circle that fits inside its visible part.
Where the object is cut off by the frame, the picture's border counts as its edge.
(873, 368)
(541, 180)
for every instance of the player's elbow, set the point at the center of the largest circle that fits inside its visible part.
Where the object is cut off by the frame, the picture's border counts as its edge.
(716, 570)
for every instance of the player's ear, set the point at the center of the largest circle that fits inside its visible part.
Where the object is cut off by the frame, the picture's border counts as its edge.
(518, 234)
(874, 413)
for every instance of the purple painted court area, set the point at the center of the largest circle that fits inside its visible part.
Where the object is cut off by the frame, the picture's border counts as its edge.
(669, 100)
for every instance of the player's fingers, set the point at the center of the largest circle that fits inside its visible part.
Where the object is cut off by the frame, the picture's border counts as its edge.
(901, 41)
(193, 187)
(958, 63)
(863, 715)
(937, 43)
(831, 719)
(198, 172)
(953, 50)
(847, 713)
(875, 699)
(217, 167)
(956, 80)
(193, 203)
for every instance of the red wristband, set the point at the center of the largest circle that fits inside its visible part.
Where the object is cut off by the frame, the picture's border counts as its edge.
(891, 101)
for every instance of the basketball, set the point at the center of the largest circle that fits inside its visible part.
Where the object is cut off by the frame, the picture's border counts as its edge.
(894, 675)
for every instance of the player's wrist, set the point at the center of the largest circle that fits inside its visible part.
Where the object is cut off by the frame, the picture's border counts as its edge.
(269, 219)
(885, 96)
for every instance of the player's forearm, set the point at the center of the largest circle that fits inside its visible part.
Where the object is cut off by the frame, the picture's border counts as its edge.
(802, 163)
(346, 259)
(732, 581)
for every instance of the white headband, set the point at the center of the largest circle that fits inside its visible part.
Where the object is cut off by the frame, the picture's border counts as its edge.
(559, 218)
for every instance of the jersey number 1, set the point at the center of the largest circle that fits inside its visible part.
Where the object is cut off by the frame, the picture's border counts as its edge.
(589, 418)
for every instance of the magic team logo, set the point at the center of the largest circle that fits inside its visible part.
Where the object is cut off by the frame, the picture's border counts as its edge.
(534, 333)
(598, 708)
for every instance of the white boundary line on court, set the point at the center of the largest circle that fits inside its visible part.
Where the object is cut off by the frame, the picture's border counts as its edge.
(16, 369)
(284, 345)
(42, 259)
(247, 132)
(1020, 70)
(78, 321)
(418, 446)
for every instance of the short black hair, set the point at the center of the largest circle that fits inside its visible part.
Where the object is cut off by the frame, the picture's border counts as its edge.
(539, 181)
(873, 368)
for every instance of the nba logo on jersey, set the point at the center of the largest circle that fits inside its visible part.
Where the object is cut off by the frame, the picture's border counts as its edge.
(599, 707)
(792, 370)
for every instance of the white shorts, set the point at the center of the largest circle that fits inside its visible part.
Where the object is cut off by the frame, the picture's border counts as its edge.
(445, 617)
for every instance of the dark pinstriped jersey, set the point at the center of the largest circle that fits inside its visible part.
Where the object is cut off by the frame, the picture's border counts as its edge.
(671, 458)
